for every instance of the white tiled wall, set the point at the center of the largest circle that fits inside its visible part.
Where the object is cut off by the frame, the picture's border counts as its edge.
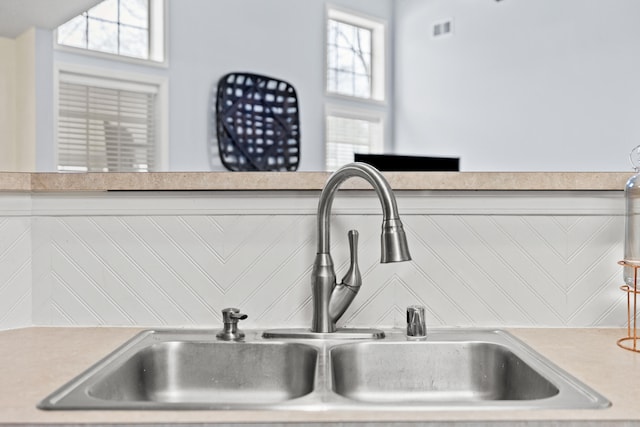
(15, 272)
(15, 260)
(177, 259)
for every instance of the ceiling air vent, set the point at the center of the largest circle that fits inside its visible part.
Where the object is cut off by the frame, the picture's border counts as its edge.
(443, 28)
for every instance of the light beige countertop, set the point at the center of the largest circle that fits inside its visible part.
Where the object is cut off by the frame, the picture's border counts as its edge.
(160, 181)
(36, 361)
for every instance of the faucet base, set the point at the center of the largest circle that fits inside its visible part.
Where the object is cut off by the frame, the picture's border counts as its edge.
(339, 334)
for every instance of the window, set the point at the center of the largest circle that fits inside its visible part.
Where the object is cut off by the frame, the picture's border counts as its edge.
(106, 125)
(355, 70)
(129, 28)
(355, 56)
(349, 59)
(347, 134)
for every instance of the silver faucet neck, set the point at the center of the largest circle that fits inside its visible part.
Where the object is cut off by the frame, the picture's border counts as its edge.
(361, 170)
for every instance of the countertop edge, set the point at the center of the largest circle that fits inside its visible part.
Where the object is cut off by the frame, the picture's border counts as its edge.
(314, 181)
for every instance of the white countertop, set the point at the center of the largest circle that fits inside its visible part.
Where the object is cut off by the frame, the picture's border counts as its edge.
(36, 361)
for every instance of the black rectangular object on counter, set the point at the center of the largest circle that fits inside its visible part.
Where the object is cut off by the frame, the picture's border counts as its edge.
(399, 163)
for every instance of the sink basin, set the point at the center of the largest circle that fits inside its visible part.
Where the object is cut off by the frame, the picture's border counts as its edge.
(174, 371)
(203, 372)
(456, 369)
(435, 372)
(453, 369)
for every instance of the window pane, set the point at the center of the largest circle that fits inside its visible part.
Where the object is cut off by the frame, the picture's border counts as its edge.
(134, 42)
(103, 36)
(364, 40)
(134, 13)
(332, 81)
(349, 59)
(345, 59)
(345, 83)
(105, 11)
(360, 66)
(121, 27)
(346, 35)
(362, 87)
(333, 32)
(332, 57)
(74, 32)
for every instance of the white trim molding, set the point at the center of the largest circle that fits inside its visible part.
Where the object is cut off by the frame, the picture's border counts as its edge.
(348, 202)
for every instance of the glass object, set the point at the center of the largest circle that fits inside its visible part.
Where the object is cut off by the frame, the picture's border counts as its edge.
(632, 219)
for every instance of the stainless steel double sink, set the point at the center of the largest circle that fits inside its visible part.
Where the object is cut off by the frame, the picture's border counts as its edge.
(451, 369)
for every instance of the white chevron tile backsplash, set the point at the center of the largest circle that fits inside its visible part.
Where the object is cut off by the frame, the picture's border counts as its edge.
(476, 270)
(163, 268)
(15, 272)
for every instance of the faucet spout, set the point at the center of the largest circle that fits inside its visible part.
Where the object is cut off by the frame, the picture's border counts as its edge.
(394, 242)
(331, 300)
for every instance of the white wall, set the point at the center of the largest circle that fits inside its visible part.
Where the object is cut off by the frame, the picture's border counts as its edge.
(15, 261)
(7, 104)
(521, 84)
(280, 38)
(33, 83)
(23, 100)
(44, 111)
(26, 101)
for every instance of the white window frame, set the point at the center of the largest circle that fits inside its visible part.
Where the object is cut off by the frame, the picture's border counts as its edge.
(374, 116)
(120, 80)
(158, 40)
(378, 51)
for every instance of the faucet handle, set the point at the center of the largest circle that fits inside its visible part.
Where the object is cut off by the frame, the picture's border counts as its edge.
(344, 292)
(416, 327)
(352, 278)
(230, 331)
(232, 315)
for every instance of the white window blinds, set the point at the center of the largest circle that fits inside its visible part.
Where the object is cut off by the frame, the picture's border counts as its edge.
(106, 125)
(348, 135)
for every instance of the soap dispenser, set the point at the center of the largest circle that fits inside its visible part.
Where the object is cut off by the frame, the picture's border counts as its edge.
(632, 219)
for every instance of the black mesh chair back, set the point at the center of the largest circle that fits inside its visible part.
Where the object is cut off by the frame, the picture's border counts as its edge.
(257, 123)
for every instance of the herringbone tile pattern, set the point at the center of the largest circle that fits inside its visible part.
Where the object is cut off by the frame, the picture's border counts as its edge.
(480, 270)
(15, 272)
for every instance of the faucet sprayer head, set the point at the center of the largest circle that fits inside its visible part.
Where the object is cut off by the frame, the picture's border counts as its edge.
(394, 242)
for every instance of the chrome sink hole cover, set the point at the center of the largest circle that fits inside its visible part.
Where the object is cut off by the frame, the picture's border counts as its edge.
(452, 369)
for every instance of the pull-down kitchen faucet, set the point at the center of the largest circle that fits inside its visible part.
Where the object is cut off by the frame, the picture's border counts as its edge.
(330, 299)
